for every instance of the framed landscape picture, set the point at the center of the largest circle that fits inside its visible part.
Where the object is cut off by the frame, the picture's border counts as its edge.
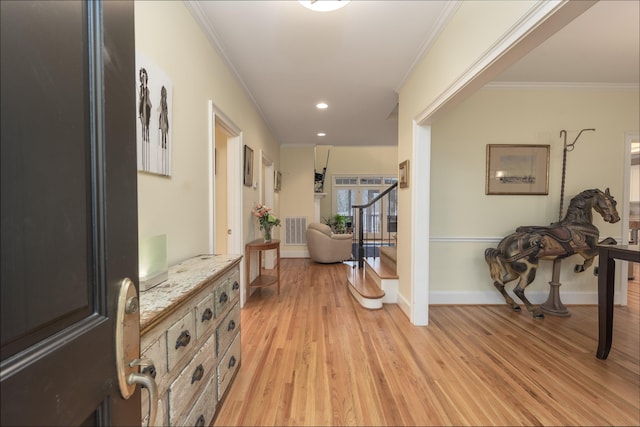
(517, 169)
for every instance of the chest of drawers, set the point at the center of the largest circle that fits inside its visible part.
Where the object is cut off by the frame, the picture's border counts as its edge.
(190, 328)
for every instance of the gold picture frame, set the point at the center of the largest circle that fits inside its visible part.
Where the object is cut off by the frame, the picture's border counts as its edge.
(517, 169)
(277, 181)
(403, 174)
(248, 166)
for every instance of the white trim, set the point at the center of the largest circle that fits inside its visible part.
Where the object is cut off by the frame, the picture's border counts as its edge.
(267, 197)
(516, 34)
(493, 297)
(562, 85)
(629, 137)
(464, 239)
(200, 17)
(420, 196)
(405, 306)
(295, 254)
(211, 181)
(448, 12)
(369, 303)
(234, 187)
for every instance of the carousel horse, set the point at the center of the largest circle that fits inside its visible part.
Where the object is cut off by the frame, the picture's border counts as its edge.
(517, 255)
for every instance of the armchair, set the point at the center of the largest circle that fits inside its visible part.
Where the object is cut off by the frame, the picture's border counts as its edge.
(326, 247)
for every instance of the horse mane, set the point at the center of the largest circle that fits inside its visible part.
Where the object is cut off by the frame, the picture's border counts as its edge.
(576, 211)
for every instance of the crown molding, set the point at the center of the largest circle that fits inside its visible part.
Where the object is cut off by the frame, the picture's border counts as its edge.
(562, 85)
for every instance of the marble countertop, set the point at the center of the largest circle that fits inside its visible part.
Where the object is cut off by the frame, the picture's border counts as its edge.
(184, 280)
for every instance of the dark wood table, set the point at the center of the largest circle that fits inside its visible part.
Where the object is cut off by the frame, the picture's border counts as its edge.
(606, 274)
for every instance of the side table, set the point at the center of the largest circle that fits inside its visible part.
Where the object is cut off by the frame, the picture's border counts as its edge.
(606, 275)
(261, 280)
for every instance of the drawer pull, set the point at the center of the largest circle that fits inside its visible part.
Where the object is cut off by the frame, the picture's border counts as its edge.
(207, 315)
(235, 286)
(183, 340)
(150, 370)
(200, 422)
(224, 298)
(232, 362)
(232, 325)
(197, 374)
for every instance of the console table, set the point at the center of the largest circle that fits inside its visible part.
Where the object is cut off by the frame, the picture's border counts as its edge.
(261, 280)
(606, 274)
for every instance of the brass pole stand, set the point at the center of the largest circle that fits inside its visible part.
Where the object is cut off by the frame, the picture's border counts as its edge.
(553, 305)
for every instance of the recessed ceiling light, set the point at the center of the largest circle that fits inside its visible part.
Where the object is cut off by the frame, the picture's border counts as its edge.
(322, 134)
(321, 105)
(323, 5)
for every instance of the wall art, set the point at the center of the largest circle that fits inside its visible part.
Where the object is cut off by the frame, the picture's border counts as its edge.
(517, 169)
(153, 117)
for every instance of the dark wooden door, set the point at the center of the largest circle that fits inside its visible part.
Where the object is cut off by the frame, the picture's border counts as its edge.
(69, 209)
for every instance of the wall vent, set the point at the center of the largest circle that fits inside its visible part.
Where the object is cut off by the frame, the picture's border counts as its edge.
(295, 230)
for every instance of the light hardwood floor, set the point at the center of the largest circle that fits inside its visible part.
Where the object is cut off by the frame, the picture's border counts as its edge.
(313, 356)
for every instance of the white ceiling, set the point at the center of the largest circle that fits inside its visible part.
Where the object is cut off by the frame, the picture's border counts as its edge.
(355, 59)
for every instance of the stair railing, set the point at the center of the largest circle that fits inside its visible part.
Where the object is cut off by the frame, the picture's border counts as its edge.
(377, 225)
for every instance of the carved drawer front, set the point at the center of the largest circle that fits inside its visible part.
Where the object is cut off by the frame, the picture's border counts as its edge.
(221, 297)
(161, 415)
(228, 366)
(205, 407)
(204, 316)
(180, 339)
(227, 329)
(234, 285)
(191, 380)
(156, 352)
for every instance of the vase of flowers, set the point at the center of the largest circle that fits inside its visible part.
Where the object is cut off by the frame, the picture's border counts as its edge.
(266, 220)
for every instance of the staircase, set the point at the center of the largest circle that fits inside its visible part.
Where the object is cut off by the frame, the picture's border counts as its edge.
(373, 279)
(377, 282)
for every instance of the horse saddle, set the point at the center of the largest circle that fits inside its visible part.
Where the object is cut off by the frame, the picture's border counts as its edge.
(558, 240)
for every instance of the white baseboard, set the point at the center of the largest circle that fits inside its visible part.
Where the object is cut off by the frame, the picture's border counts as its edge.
(404, 305)
(303, 253)
(489, 297)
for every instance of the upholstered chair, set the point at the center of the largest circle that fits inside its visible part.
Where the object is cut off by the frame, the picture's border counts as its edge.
(325, 246)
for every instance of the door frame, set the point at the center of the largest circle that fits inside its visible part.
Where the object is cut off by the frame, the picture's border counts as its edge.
(267, 197)
(629, 137)
(235, 237)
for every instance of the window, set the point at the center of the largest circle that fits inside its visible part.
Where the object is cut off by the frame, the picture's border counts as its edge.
(381, 217)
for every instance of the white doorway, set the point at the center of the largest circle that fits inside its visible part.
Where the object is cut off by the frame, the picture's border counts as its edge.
(629, 211)
(267, 197)
(225, 188)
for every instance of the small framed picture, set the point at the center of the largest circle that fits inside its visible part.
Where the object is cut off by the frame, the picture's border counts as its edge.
(403, 174)
(248, 166)
(277, 181)
(517, 169)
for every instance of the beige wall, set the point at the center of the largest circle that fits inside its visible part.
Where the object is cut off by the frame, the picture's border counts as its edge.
(179, 206)
(481, 39)
(354, 160)
(297, 195)
(471, 32)
(464, 220)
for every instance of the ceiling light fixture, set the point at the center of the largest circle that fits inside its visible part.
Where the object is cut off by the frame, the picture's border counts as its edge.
(321, 105)
(323, 5)
(322, 134)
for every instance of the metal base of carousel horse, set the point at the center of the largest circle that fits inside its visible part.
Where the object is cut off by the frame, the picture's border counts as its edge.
(554, 305)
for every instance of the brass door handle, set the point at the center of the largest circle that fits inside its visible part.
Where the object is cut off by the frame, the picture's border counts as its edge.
(127, 344)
